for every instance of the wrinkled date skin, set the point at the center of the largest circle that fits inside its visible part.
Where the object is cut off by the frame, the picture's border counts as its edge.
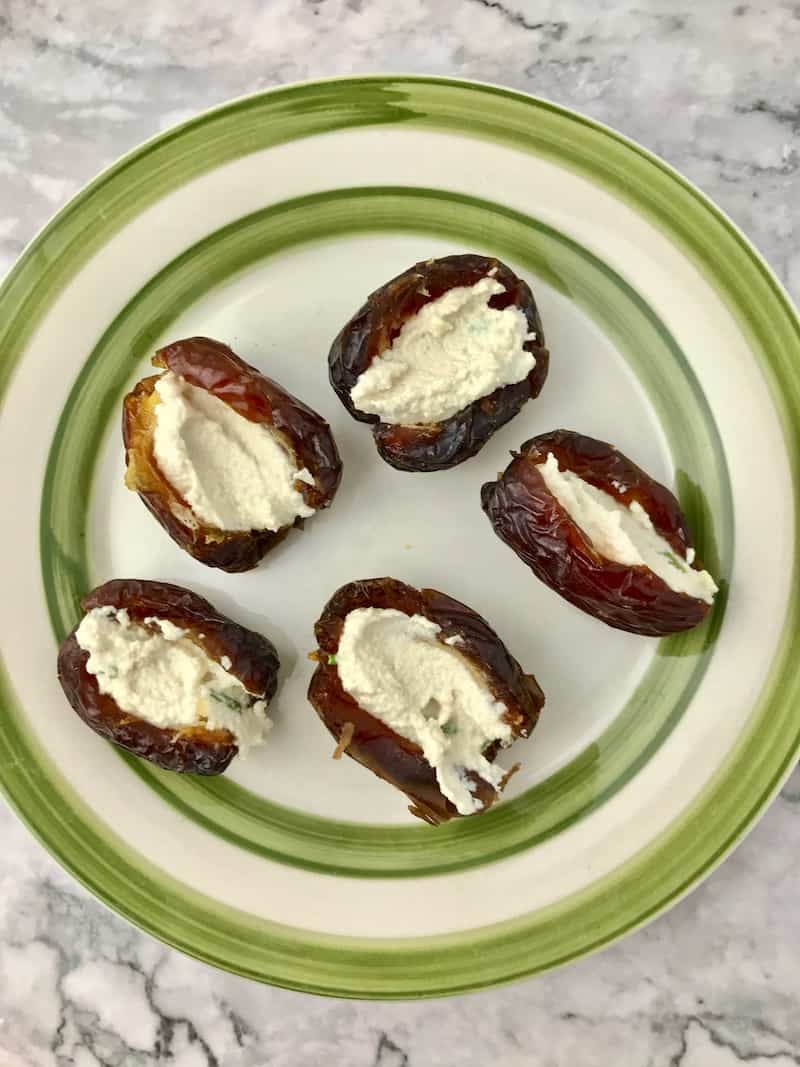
(374, 744)
(373, 329)
(212, 366)
(194, 750)
(530, 520)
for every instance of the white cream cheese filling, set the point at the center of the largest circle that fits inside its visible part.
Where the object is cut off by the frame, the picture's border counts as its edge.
(455, 350)
(158, 674)
(233, 473)
(624, 534)
(398, 670)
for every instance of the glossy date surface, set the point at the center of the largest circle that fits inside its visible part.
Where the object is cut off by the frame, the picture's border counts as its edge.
(374, 744)
(526, 515)
(192, 750)
(373, 329)
(212, 366)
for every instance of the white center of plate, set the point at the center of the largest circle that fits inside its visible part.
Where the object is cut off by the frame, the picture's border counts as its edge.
(425, 529)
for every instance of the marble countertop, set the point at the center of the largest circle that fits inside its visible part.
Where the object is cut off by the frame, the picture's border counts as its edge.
(714, 88)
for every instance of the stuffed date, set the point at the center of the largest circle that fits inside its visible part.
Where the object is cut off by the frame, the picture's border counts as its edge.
(419, 689)
(224, 458)
(158, 671)
(440, 358)
(601, 532)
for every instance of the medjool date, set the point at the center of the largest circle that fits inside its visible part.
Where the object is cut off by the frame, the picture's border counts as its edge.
(426, 444)
(374, 743)
(305, 439)
(248, 657)
(606, 576)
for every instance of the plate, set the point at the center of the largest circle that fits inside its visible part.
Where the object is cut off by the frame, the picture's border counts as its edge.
(264, 223)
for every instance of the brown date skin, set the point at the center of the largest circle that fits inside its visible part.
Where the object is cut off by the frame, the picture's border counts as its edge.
(192, 750)
(372, 330)
(530, 520)
(374, 744)
(211, 365)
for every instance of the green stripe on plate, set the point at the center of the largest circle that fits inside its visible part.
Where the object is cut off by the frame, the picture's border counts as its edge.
(356, 849)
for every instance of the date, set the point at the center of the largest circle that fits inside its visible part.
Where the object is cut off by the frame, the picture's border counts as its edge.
(529, 518)
(373, 743)
(373, 329)
(212, 366)
(247, 655)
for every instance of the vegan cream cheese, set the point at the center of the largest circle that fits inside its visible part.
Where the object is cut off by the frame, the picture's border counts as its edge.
(157, 673)
(397, 669)
(455, 350)
(624, 534)
(233, 473)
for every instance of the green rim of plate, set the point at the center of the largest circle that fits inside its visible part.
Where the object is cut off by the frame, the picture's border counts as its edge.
(738, 791)
(313, 842)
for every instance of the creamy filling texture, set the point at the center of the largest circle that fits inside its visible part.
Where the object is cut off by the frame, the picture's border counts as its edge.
(398, 670)
(455, 350)
(624, 534)
(233, 473)
(157, 673)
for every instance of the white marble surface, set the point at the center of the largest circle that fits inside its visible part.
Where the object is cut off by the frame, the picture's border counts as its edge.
(714, 87)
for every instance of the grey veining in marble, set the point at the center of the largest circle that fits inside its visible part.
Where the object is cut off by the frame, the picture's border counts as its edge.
(712, 86)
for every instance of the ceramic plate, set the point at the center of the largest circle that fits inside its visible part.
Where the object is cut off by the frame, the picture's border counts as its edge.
(264, 223)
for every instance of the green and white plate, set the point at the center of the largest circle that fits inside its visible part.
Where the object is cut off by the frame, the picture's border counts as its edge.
(264, 223)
